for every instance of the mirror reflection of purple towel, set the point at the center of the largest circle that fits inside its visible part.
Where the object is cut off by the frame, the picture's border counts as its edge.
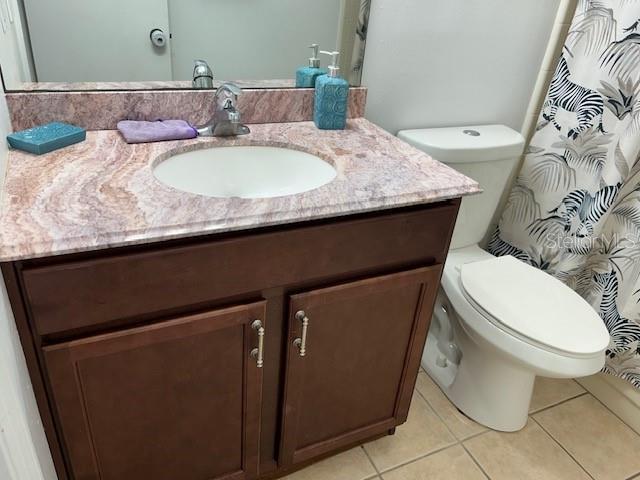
(158, 131)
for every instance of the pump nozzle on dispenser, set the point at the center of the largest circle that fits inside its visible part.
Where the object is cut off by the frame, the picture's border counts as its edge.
(306, 76)
(334, 68)
(314, 61)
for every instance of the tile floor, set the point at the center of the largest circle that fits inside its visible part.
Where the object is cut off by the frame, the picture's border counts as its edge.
(570, 435)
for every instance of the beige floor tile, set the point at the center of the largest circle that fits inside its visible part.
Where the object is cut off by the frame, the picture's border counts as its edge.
(529, 454)
(461, 426)
(450, 464)
(602, 443)
(423, 433)
(350, 465)
(551, 391)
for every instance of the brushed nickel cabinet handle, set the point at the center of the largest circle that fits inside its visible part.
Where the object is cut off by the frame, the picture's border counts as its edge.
(301, 343)
(258, 353)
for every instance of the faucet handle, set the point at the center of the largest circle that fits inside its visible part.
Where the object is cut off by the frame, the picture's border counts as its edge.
(231, 88)
(231, 91)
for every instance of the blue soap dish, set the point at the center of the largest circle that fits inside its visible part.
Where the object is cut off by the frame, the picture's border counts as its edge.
(47, 138)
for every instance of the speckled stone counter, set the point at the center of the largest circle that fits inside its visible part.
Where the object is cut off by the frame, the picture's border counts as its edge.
(102, 193)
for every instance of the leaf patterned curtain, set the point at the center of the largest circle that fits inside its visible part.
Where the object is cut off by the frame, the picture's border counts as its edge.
(357, 58)
(574, 211)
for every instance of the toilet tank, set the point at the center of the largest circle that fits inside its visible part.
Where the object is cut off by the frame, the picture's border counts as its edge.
(487, 153)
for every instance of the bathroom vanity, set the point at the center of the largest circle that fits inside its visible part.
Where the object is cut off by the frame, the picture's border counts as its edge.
(170, 335)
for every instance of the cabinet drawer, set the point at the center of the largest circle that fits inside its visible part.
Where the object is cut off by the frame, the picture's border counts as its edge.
(76, 295)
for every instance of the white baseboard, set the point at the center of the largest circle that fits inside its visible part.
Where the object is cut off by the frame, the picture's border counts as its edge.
(619, 397)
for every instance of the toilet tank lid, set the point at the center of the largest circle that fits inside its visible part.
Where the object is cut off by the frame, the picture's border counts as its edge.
(477, 143)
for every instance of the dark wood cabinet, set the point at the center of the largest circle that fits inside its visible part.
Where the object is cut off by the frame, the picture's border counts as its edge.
(175, 400)
(145, 359)
(353, 374)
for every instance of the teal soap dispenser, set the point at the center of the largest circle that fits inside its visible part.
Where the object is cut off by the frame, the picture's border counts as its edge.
(306, 76)
(331, 97)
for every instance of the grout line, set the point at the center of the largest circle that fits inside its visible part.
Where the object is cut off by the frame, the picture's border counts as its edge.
(601, 403)
(474, 460)
(421, 457)
(635, 476)
(557, 404)
(460, 440)
(616, 415)
(370, 460)
(562, 447)
(404, 464)
(437, 415)
(478, 434)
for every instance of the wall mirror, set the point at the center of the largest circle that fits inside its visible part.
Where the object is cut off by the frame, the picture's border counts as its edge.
(153, 44)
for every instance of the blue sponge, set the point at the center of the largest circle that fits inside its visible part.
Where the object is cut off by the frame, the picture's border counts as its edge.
(47, 138)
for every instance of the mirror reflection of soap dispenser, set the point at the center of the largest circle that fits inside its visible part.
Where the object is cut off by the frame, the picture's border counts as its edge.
(331, 98)
(306, 76)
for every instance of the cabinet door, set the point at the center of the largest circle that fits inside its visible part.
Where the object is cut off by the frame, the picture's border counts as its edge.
(352, 375)
(178, 399)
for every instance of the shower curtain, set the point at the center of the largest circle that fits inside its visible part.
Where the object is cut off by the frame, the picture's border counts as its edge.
(357, 58)
(574, 211)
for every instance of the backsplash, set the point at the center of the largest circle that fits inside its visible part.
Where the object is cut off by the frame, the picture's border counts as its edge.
(102, 110)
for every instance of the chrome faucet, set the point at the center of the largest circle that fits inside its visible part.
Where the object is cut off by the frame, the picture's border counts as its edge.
(202, 75)
(226, 118)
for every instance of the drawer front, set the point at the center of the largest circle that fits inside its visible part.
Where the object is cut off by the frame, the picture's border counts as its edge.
(77, 295)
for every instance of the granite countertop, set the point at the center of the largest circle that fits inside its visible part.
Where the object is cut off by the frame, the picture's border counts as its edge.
(102, 193)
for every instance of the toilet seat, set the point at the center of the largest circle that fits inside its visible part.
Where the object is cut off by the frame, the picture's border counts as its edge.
(532, 305)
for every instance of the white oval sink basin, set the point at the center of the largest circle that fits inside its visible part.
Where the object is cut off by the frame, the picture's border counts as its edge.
(245, 172)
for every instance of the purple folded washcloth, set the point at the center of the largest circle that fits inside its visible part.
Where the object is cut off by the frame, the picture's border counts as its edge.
(158, 131)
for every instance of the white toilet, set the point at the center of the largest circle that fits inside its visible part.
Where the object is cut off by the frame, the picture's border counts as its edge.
(498, 322)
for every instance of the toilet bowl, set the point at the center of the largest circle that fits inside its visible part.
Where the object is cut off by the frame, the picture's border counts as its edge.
(498, 322)
(489, 339)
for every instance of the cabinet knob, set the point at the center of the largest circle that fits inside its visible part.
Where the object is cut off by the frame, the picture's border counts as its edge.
(301, 342)
(258, 353)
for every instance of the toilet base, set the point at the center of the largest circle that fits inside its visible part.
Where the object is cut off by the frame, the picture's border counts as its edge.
(484, 385)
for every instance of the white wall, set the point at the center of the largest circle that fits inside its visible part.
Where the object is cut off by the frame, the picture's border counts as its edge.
(13, 52)
(433, 63)
(24, 453)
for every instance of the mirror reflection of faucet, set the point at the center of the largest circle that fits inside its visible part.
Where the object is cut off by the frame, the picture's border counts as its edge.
(202, 75)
